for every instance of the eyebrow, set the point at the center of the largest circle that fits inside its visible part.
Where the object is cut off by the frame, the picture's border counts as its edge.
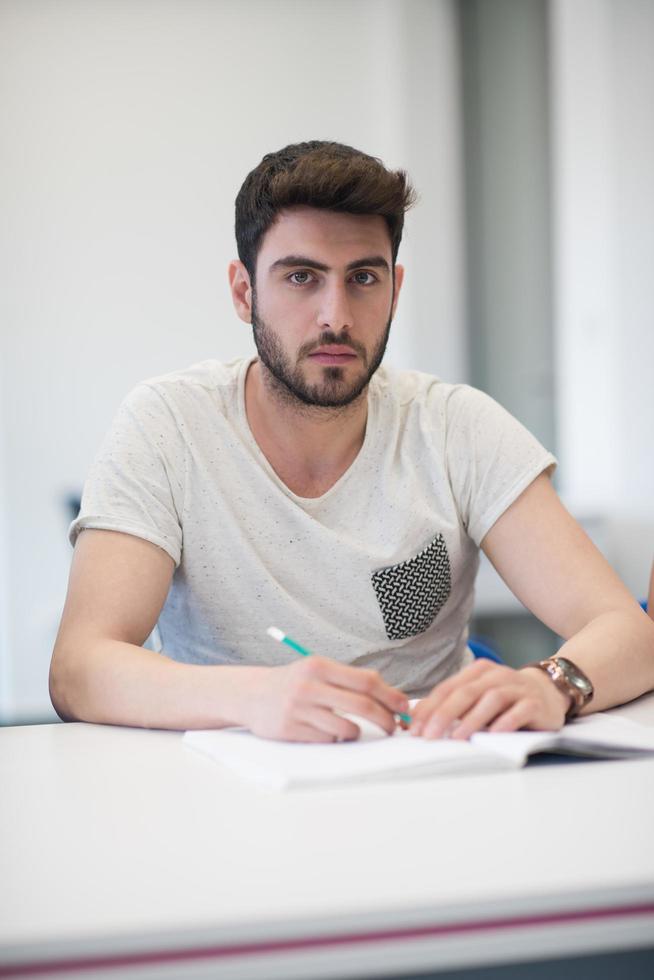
(293, 261)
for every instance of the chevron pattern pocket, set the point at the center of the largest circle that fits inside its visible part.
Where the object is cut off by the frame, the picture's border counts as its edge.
(412, 593)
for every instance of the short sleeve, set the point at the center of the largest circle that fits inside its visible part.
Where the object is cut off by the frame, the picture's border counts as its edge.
(136, 482)
(490, 456)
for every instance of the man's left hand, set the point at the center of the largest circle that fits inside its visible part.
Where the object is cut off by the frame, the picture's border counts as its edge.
(486, 695)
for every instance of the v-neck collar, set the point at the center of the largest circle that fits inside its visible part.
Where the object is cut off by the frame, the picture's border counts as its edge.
(366, 450)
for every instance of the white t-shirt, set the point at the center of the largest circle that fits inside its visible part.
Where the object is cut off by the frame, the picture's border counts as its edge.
(377, 572)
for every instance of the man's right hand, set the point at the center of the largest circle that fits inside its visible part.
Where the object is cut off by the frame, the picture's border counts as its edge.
(304, 701)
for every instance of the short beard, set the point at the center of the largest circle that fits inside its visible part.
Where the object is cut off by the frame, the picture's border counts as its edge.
(287, 379)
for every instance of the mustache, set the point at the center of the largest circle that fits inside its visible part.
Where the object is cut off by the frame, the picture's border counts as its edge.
(329, 337)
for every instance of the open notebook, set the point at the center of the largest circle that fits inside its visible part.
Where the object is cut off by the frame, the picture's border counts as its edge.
(377, 756)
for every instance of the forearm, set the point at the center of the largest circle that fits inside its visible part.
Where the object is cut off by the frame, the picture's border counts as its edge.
(616, 651)
(112, 682)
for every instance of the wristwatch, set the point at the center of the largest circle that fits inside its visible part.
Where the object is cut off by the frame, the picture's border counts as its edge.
(569, 679)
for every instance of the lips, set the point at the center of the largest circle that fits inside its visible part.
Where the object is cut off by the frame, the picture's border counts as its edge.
(333, 354)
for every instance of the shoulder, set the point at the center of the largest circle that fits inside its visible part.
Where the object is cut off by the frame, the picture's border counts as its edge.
(206, 382)
(208, 375)
(426, 392)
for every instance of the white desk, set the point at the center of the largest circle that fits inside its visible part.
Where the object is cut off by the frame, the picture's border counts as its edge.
(125, 851)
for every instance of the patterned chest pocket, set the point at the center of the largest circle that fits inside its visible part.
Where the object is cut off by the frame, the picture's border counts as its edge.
(412, 593)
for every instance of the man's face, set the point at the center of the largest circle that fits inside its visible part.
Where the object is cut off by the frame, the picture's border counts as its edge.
(323, 303)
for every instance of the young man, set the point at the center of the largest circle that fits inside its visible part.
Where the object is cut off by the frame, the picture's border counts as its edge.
(314, 490)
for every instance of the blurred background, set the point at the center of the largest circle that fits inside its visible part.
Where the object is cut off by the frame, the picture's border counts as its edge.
(126, 129)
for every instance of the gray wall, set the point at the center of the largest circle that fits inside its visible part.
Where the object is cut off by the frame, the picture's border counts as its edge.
(504, 45)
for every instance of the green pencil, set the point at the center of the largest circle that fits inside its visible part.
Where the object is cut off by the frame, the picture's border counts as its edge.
(281, 637)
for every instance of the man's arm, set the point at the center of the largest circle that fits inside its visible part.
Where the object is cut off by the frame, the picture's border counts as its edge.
(101, 673)
(555, 570)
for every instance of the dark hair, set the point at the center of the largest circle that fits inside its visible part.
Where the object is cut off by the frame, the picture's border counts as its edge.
(319, 174)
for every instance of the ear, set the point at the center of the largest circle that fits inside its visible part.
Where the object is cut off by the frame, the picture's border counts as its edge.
(399, 279)
(241, 289)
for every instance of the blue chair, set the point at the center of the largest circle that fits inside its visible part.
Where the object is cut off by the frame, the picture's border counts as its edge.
(483, 651)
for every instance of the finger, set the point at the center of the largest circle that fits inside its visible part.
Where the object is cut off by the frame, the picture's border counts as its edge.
(480, 670)
(339, 729)
(363, 681)
(440, 712)
(477, 677)
(520, 715)
(353, 703)
(309, 687)
(490, 705)
(301, 731)
(453, 709)
(426, 706)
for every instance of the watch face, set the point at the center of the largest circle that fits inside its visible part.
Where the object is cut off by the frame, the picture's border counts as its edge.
(575, 676)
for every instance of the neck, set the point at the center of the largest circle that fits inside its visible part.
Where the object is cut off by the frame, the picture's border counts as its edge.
(308, 446)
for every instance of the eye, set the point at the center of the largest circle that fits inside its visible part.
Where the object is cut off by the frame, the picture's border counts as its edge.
(300, 278)
(364, 278)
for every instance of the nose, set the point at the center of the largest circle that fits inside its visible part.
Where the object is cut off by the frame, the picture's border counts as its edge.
(334, 312)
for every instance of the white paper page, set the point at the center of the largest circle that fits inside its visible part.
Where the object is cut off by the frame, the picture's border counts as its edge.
(599, 734)
(282, 765)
